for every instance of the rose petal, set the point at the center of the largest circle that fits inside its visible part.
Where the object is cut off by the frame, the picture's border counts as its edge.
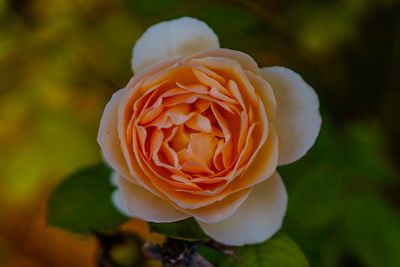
(264, 90)
(263, 161)
(108, 136)
(246, 61)
(257, 219)
(263, 164)
(179, 37)
(298, 120)
(114, 178)
(117, 201)
(203, 145)
(220, 210)
(236, 68)
(146, 206)
(199, 123)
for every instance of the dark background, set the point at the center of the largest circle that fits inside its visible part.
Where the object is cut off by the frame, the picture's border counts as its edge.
(61, 60)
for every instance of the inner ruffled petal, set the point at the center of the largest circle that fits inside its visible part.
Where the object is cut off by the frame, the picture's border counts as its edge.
(202, 146)
(194, 131)
(199, 123)
(181, 139)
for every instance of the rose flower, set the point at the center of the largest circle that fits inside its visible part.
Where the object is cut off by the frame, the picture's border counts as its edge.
(199, 132)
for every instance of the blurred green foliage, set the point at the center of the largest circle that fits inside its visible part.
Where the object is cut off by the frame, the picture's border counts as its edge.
(61, 60)
(338, 210)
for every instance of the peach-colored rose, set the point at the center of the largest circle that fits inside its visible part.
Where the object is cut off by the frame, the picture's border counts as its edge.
(199, 132)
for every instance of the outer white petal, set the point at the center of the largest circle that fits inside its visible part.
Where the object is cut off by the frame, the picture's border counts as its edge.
(257, 219)
(220, 210)
(117, 201)
(298, 120)
(108, 136)
(178, 37)
(116, 196)
(145, 205)
(114, 178)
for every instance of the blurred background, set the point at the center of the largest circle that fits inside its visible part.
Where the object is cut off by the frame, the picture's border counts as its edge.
(61, 60)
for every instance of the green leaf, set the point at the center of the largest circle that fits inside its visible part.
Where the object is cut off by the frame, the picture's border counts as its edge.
(279, 251)
(186, 229)
(82, 202)
(212, 255)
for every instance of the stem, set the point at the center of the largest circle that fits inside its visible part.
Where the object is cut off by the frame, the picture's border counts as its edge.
(177, 253)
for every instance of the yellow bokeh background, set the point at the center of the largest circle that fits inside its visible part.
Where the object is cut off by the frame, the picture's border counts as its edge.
(60, 61)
